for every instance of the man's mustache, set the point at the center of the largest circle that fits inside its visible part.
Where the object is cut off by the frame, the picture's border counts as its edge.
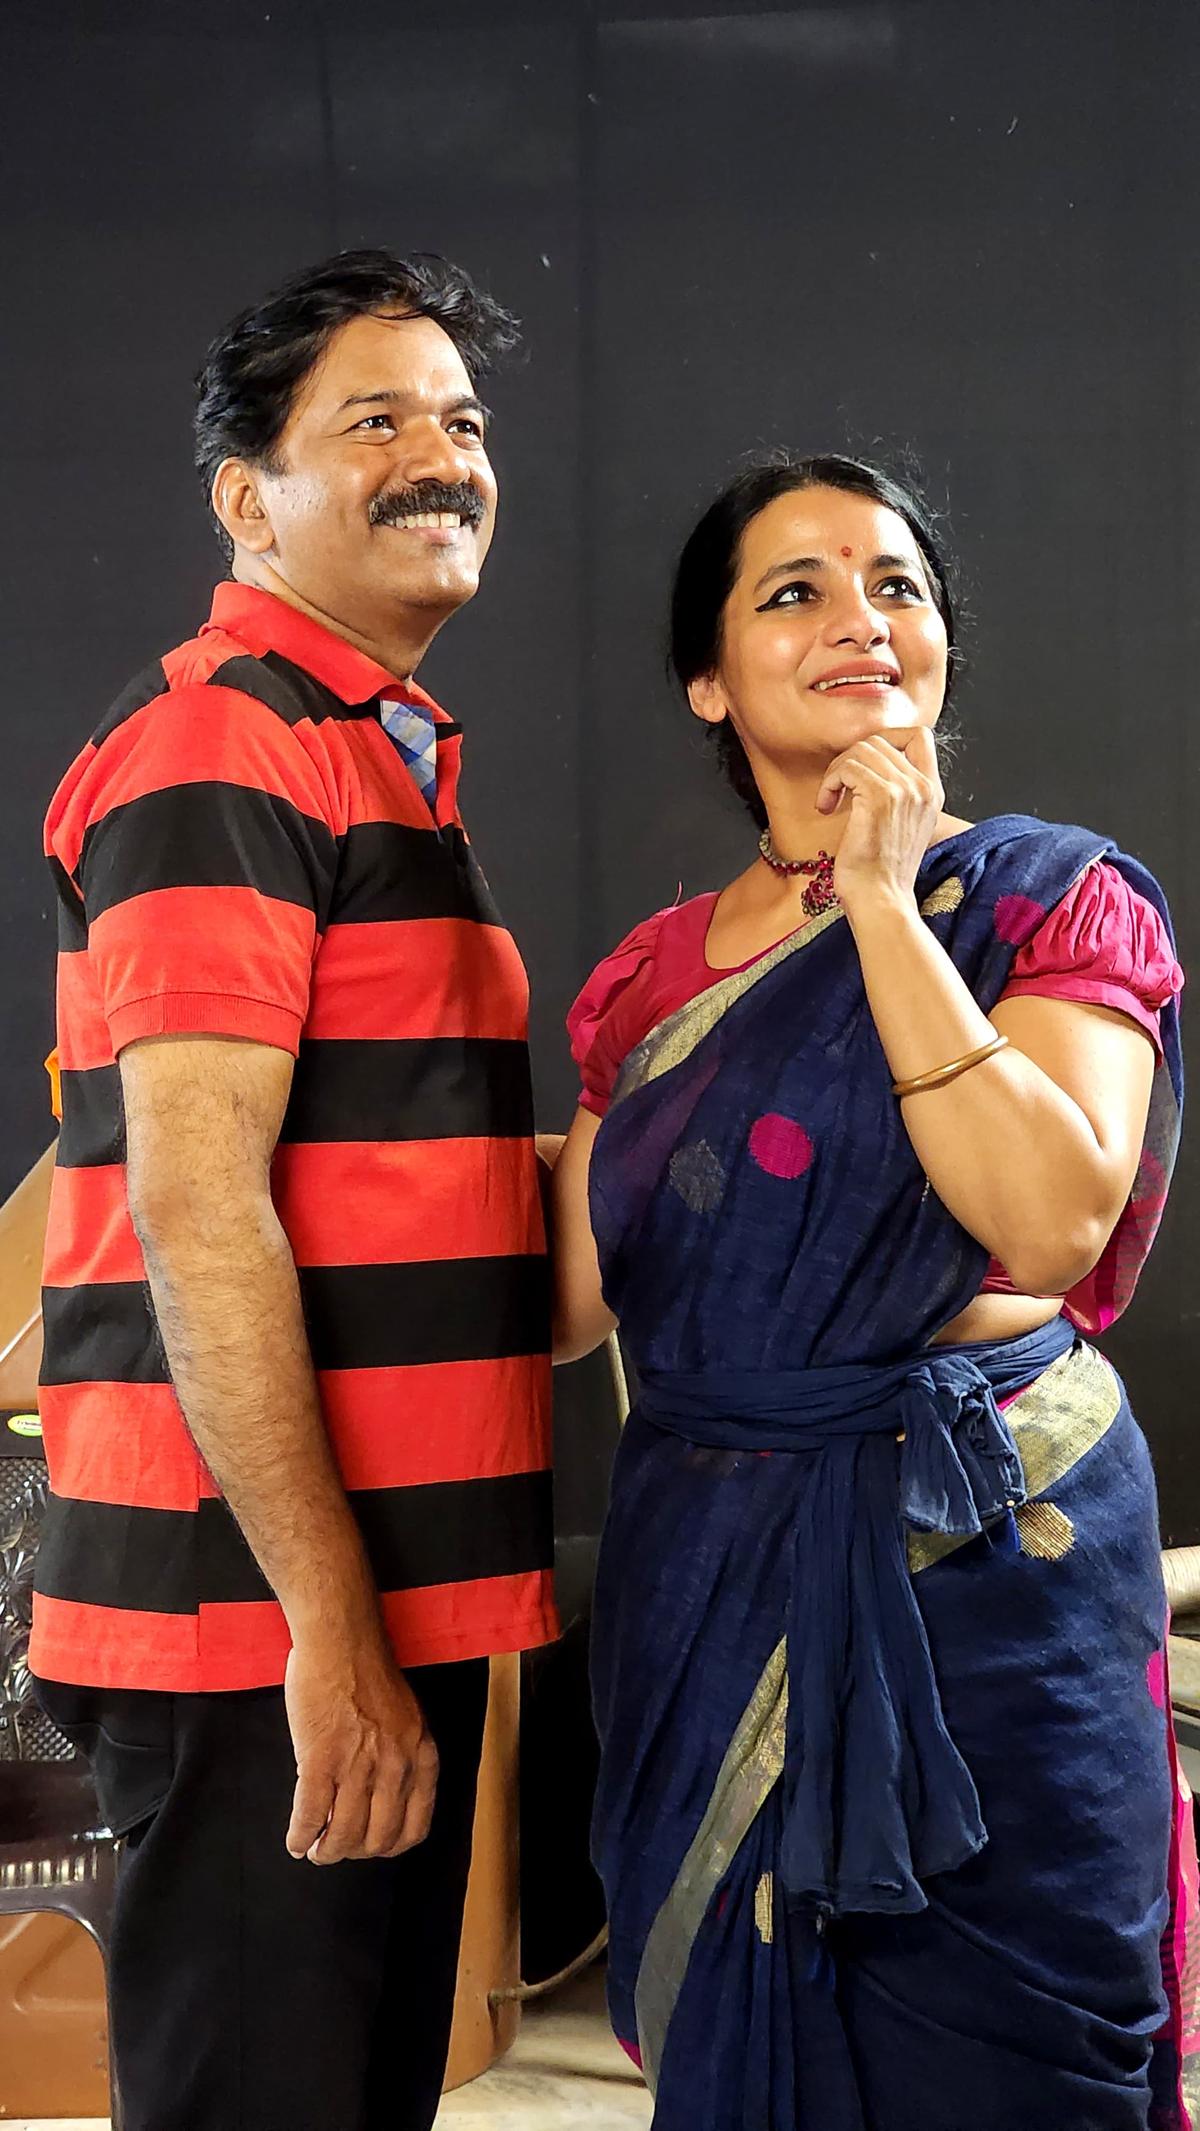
(428, 496)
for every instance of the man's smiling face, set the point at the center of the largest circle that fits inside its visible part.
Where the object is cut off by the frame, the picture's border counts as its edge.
(380, 498)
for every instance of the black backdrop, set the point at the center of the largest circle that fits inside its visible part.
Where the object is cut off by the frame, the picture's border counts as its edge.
(961, 228)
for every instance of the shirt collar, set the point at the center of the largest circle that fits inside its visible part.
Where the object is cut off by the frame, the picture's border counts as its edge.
(262, 622)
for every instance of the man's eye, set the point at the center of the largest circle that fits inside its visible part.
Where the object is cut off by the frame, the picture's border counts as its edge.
(369, 420)
(796, 594)
(473, 428)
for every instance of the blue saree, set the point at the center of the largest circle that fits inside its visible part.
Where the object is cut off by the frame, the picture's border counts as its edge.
(884, 1802)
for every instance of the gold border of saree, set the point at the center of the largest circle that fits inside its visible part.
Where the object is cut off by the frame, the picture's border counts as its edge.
(749, 1772)
(676, 1038)
(1055, 1422)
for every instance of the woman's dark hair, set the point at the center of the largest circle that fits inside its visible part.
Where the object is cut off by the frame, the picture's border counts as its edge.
(710, 560)
(247, 384)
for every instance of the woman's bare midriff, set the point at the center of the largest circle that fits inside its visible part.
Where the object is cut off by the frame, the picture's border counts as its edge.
(998, 1317)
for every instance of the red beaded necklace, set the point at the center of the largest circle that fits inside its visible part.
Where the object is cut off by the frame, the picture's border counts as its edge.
(820, 894)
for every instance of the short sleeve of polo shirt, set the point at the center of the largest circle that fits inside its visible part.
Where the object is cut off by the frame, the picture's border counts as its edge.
(206, 857)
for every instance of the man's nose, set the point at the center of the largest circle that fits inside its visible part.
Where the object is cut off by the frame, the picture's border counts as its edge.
(431, 454)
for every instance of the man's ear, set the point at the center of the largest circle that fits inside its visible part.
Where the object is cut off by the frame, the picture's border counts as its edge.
(238, 502)
(707, 698)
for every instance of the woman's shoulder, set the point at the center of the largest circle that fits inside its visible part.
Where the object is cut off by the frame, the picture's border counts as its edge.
(996, 833)
(1103, 930)
(643, 941)
(1021, 857)
(627, 992)
(633, 960)
(1058, 854)
(1073, 906)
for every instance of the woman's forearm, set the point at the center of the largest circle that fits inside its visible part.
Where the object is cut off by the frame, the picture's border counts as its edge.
(1011, 1155)
(581, 1319)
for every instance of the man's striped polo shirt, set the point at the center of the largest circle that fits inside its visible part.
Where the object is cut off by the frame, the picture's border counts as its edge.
(242, 851)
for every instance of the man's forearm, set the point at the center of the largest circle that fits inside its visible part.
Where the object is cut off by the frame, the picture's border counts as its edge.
(227, 1300)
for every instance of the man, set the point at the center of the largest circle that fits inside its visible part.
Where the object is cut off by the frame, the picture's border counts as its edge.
(296, 1384)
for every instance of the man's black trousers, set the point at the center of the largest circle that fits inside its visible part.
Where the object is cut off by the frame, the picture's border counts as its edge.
(252, 1991)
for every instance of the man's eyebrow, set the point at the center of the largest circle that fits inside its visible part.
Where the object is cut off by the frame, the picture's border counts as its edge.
(466, 404)
(801, 564)
(469, 404)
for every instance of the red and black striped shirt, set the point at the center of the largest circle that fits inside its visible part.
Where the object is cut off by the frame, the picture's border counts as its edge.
(240, 850)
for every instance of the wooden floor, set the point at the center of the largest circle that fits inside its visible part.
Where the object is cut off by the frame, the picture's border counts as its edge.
(565, 2070)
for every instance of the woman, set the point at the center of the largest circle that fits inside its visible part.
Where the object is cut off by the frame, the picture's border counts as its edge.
(886, 1813)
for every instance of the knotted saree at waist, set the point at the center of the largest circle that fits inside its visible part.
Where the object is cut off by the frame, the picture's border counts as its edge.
(877, 1797)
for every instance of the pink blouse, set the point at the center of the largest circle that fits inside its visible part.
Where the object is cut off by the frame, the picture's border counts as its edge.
(1103, 945)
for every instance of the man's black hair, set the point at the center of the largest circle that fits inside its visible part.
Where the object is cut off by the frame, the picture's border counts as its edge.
(247, 385)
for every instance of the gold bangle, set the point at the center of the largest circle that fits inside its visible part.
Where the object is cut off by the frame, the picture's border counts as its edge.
(941, 1074)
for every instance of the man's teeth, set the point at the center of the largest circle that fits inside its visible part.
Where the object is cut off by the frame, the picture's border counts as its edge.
(447, 521)
(855, 680)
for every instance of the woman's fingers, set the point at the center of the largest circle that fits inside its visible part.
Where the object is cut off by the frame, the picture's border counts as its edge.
(846, 773)
(871, 760)
(920, 749)
(921, 754)
(893, 804)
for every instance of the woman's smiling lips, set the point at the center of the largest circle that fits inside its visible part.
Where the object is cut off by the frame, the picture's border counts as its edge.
(862, 677)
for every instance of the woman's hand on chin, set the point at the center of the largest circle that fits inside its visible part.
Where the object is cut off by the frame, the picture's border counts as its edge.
(888, 789)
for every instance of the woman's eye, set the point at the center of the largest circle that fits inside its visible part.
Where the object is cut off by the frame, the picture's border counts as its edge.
(904, 585)
(796, 594)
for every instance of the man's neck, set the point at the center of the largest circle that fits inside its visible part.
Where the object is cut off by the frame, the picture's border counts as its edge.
(398, 650)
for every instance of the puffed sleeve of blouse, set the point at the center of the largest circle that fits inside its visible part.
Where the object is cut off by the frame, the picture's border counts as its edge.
(605, 1021)
(1105, 945)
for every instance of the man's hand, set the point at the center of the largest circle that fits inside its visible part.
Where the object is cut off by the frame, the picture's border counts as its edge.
(366, 1765)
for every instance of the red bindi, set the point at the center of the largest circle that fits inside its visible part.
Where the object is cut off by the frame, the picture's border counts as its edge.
(847, 552)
